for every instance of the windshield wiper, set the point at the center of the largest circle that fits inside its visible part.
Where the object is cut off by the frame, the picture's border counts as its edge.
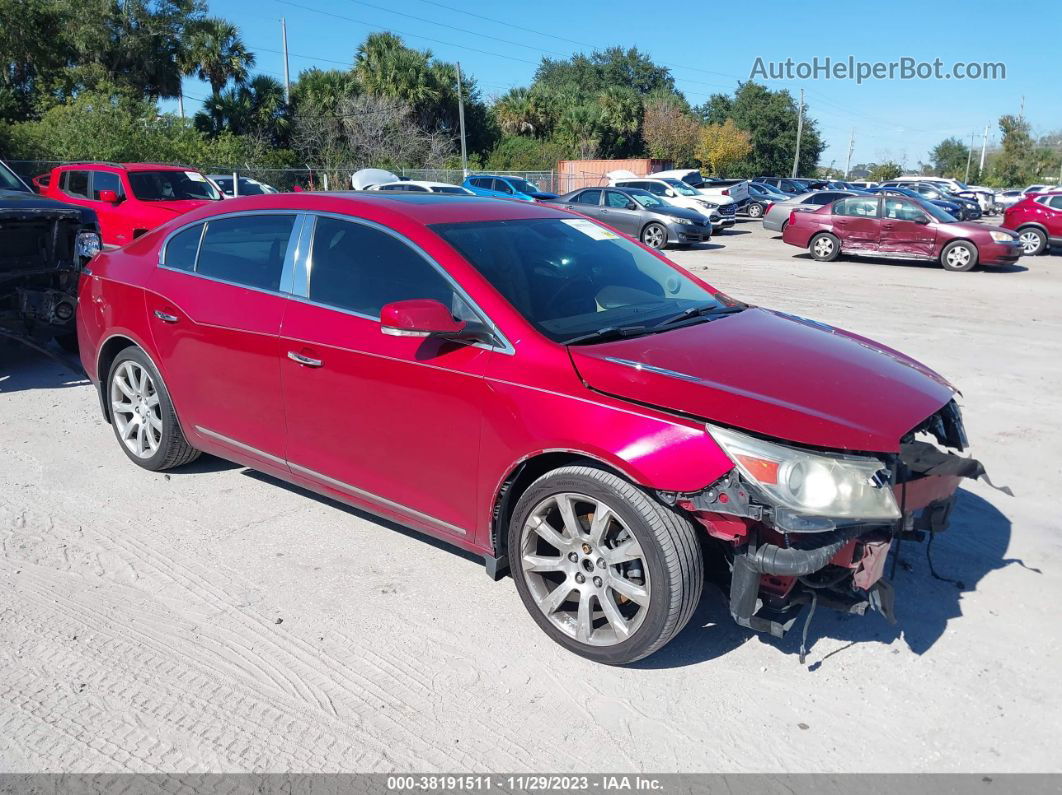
(707, 312)
(608, 333)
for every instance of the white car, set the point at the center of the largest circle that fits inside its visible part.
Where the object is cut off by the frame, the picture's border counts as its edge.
(246, 186)
(984, 197)
(368, 178)
(1009, 198)
(736, 190)
(678, 193)
(423, 186)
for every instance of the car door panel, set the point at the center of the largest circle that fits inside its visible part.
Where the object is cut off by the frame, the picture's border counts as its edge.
(392, 422)
(614, 212)
(857, 223)
(900, 234)
(219, 341)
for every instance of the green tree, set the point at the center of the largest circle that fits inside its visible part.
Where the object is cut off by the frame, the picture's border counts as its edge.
(949, 158)
(214, 52)
(520, 153)
(770, 118)
(588, 75)
(884, 171)
(255, 108)
(669, 132)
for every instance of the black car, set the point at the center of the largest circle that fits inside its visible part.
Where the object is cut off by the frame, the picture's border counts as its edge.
(971, 210)
(790, 185)
(44, 244)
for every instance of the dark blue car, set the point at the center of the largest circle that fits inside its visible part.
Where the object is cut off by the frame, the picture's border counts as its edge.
(500, 187)
(953, 209)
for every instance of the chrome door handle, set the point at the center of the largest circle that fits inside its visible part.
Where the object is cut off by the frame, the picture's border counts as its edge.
(306, 360)
(164, 317)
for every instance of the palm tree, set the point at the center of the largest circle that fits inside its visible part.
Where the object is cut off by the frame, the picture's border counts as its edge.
(215, 52)
(253, 108)
(386, 67)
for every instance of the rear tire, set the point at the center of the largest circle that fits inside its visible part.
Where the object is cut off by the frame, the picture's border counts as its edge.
(755, 210)
(615, 575)
(142, 414)
(1033, 241)
(959, 256)
(824, 247)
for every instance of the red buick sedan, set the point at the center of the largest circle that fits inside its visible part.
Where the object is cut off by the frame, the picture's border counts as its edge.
(531, 386)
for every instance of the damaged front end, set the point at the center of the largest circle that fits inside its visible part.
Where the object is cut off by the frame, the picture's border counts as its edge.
(801, 526)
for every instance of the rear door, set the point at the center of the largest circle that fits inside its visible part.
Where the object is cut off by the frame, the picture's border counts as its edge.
(588, 202)
(215, 304)
(616, 212)
(392, 421)
(901, 230)
(856, 221)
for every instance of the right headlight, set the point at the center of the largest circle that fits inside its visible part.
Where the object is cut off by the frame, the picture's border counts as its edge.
(683, 221)
(812, 484)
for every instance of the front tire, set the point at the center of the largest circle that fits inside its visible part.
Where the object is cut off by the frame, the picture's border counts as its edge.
(755, 211)
(654, 236)
(1033, 241)
(824, 247)
(142, 414)
(606, 571)
(959, 256)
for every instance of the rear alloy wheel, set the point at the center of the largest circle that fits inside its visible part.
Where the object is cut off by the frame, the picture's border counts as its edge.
(824, 247)
(958, 256)
(1033, 241)
(654, 236)
(755, 211)
(142, 415)
(605, 570)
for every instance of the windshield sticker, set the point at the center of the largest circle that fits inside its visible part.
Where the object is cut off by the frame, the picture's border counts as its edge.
(195, 176)
(591, 229)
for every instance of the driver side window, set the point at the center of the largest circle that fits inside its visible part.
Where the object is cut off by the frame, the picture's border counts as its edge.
(901, 210)
(614, 198)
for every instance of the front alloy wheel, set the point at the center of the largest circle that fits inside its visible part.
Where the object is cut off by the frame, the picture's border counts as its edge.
(959, 256)
(605, 570)
(654, 236)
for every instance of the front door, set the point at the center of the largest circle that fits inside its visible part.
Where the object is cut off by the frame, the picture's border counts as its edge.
(114, 223)
(215, 306)
(616, 212)
(390, 422)
(905, 229)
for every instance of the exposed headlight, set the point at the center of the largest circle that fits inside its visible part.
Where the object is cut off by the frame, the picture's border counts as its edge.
(709, 205)
(87, 245)
(1003, 237)
(831, 486)
(683, 221)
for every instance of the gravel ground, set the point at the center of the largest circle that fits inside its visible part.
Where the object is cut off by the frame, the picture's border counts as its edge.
(213, 619)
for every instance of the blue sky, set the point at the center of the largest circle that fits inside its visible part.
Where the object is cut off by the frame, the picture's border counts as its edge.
(709, 50)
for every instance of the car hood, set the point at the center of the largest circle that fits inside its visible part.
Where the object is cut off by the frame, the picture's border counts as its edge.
(774, 374)
(179, 207)
(16, 203)
(677, 212)
(543, 196)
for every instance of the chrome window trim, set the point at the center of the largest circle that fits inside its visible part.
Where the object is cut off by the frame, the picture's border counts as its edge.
(505, 347)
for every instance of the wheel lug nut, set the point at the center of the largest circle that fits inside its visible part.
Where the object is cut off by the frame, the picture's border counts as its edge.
(597, 581)
(601, 563)
(579, 578)
(573, 557)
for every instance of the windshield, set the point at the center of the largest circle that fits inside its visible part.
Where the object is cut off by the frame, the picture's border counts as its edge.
(681, 188)
(161, 186)
(572, 277)
(8, 180)
(646, 199)
(522, 185)
(937, 213)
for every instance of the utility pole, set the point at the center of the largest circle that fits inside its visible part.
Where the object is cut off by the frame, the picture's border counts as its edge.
(851, 148)
(180, 101)
(287, 80)
(969, 157)
(800, 131)
(461, 121)
(984, 151)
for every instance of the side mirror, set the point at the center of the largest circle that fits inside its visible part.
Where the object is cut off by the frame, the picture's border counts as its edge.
(632, 206)
(922, 219)
(108, 196)
(419, 317)
(669, 193)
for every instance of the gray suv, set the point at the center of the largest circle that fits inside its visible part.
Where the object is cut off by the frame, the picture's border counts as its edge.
(639, 214)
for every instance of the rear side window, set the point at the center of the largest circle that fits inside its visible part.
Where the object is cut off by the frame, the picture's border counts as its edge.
(392, 187)
(589, 197)
(502, 186)
(360, 268)
(105, 180)
(182, 249)
(857, 207)
(248, 250)
(1056, 202)
(75, 183)
(480, 182)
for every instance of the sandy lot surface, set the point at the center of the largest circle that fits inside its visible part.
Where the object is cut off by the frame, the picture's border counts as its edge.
(213, 619)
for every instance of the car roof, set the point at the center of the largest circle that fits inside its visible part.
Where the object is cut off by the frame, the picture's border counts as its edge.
(424, 183)
(385, 207)
(128, 166)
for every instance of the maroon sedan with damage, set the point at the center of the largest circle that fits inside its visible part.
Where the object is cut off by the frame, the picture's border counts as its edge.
(900, 228)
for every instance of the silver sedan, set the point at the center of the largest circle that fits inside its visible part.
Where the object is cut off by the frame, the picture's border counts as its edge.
(640, 214)
(776, 218)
